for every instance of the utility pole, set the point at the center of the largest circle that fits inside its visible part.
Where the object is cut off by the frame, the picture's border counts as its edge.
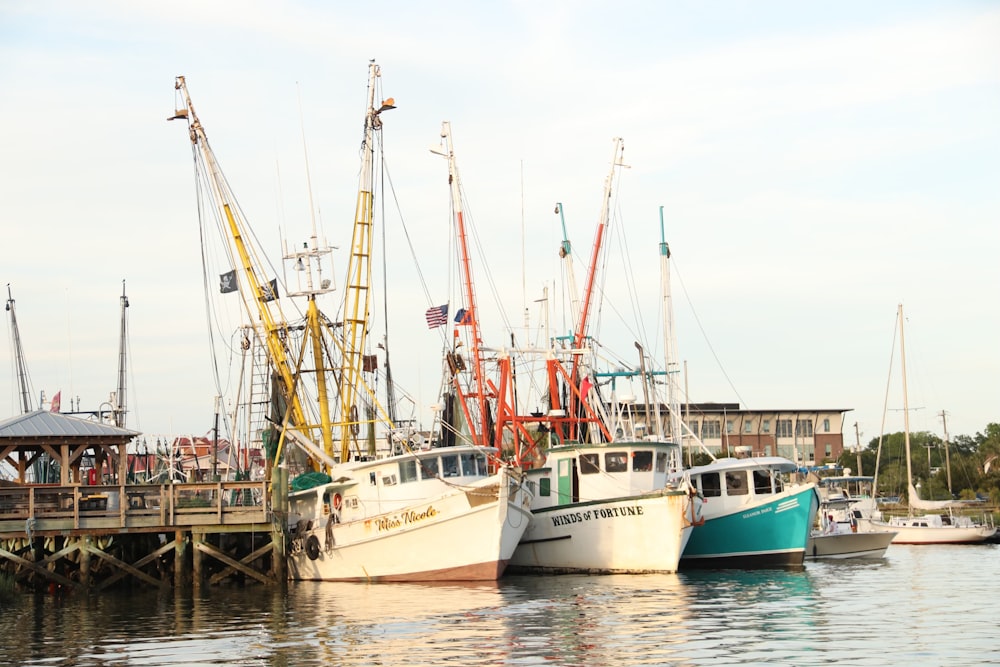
(947, 459)
(857, 446)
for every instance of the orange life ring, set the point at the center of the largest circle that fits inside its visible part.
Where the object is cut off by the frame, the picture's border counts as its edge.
(337, 501)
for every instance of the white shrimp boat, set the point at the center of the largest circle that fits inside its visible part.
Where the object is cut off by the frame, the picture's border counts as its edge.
(435, 515)
(454, 513)
(607, 509)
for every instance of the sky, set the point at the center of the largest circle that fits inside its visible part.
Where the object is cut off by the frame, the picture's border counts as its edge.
(817, 164)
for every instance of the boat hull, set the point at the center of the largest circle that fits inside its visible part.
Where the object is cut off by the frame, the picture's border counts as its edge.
(631, 535)
(849, 545)
(910, 534)
(465, 535)
(769, 533)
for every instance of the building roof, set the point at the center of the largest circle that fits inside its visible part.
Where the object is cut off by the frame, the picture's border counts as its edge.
(42, 424)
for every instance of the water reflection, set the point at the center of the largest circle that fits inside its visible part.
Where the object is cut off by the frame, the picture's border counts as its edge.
(828, 612)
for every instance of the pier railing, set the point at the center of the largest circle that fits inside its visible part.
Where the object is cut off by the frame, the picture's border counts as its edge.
(43, 508)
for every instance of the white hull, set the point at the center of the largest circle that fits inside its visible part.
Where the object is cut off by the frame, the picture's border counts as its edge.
(871, 544)
(931, 534)
(632, 535)
(464, 533)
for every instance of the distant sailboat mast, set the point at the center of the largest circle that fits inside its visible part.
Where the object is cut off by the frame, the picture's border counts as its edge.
(20, 365)
(906, 407)
(122, 365)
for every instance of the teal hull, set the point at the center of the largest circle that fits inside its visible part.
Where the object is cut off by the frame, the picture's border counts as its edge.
(769, 534)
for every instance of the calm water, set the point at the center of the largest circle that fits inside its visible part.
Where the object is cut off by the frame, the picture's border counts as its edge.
(930, 605)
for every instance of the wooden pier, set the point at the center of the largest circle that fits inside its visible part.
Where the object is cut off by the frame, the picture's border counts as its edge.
(90, 538)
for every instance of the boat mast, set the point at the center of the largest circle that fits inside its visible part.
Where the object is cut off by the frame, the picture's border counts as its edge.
(259, 300)
(20, 365)
(359, 276)
(566, 254)
(906, 407)
(122, 366)
(479, 431)
(579, 337)
(669, 340)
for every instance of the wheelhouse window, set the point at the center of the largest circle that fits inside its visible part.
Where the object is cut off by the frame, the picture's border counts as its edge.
(661, 461)
(736, 483)
(761, 482)
(589, 464)
(616, 462)
(642, 461)
(449, 464)
(429, 468)
(473, 465)
(408, 471)
(710, 484)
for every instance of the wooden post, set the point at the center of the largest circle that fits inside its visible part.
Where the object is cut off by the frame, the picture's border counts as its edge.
(85, 562)
(279, 517)
(180, 559)
(196, 559)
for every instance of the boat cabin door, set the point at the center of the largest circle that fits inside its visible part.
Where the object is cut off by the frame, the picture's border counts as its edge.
(568, 481)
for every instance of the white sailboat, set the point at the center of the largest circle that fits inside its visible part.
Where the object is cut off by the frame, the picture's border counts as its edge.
(453, 513)
(932, 527)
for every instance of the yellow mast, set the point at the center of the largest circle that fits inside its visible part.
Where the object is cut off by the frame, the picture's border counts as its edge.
(357, 298)
(256, 293)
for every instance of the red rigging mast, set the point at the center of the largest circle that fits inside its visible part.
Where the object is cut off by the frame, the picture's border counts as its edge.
(596, 256)
(565, 421)
(473, 400)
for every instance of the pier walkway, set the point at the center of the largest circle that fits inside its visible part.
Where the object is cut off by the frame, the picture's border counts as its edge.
(94, 537)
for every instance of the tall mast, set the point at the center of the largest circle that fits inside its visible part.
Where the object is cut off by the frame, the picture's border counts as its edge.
(906, 404)
(669, 339)
(260, 302)
(580, 335)
(478, 431)
(566, 253)
(359, 276)
(20, 365)
(122, 365)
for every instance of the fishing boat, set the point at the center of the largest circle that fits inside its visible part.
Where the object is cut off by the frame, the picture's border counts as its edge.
(420, 514)
(606, 508)
(939, 524)
(752, 516)
(434, 515)
(602, 502)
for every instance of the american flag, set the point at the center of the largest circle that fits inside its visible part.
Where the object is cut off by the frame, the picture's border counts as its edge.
(437, 316)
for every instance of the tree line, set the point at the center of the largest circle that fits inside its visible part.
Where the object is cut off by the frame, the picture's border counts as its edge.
(972, 461)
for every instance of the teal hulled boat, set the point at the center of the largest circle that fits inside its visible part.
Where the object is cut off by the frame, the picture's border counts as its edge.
(752, 518)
